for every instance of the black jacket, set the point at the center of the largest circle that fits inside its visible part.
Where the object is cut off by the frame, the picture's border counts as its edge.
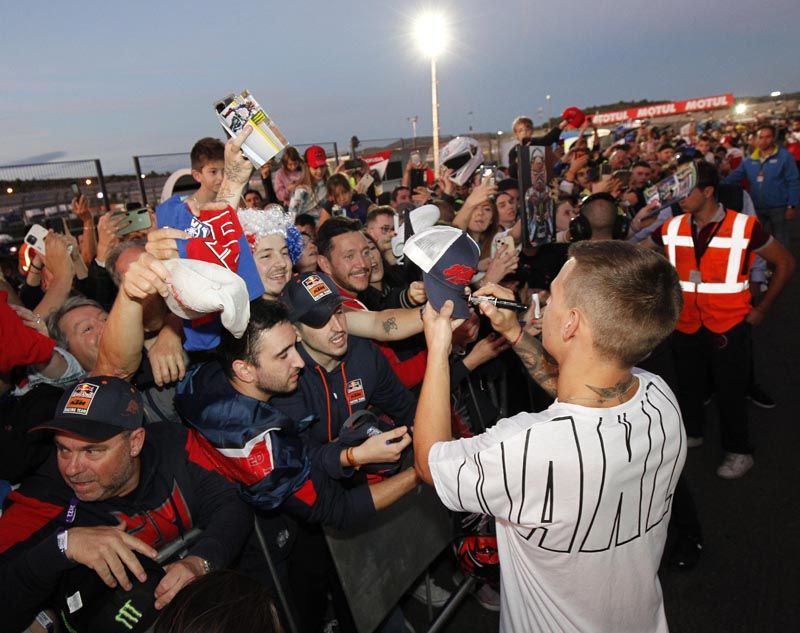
(174, 495)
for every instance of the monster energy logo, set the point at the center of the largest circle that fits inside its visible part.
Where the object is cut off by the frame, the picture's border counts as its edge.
(128, 615)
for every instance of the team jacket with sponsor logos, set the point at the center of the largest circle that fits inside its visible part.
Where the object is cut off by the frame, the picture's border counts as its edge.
(174, 494)
(252, 443)
(363, 379)
(216, 237)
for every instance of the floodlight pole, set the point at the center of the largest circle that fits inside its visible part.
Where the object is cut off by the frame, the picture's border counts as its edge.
(435, 113)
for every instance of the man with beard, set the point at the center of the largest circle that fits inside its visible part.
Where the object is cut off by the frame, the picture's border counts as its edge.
(343, 374)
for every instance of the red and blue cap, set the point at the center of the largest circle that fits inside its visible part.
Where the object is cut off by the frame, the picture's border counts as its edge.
(448, 258)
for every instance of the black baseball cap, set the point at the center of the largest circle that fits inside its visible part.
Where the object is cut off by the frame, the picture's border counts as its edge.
(96, 409)
(87, 605)
(311, 298)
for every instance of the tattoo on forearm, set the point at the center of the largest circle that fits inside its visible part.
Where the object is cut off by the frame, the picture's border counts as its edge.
(618, 391)
(238, 172)
(389, 324)
(540, 365)
(230, 193)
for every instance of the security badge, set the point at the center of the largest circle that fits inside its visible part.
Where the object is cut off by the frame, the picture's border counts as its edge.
(695, 277)
(355, 391)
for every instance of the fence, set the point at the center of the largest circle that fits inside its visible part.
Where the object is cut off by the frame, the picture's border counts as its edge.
(41, 192)
(152, 171)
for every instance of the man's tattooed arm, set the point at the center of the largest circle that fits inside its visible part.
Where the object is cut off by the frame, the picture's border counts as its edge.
(237, 171)
(389, 325)
(540, 365)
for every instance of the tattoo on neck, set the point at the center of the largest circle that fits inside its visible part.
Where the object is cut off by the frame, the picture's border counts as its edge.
(618, 391)
(389, 324)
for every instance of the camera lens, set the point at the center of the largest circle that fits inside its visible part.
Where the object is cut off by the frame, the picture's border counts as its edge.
(31, 240)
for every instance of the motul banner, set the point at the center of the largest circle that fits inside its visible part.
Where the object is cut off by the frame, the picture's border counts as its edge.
(663, 109)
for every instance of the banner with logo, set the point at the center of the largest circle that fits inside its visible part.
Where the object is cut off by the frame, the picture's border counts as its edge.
(663, 109)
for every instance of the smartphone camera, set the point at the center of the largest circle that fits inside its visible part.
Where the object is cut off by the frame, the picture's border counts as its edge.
(31, 239)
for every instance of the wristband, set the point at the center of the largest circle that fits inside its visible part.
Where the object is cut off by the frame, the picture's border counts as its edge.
(62, 538)
(45, 621)
(519, 336)
(348, 454)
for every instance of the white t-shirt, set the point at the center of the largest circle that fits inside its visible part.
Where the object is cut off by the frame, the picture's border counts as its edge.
(582, 498)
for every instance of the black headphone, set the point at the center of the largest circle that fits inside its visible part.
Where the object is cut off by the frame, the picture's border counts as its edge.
(580, 229)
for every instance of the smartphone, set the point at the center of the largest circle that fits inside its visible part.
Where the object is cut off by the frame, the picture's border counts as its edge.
(416, 160)
(605, 169)
(135, 220)
(504, 240)
(76, 190)
(353, 163)
(35, 238)
(489, 175)
(417, 178)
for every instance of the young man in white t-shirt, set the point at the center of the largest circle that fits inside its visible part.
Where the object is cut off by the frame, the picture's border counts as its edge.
(581, 492)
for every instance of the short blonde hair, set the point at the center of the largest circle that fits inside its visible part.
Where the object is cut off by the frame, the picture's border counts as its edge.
(631, 297)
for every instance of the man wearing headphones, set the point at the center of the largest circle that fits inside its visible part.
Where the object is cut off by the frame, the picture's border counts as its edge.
(600, 218)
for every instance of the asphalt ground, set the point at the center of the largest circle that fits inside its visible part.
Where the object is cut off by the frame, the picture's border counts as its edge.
(748, 576)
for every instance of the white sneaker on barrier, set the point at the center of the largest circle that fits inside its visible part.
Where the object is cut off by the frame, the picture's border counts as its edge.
(439, 595)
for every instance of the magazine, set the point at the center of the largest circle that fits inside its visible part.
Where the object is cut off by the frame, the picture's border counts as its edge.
(266, 140)
(672, 189)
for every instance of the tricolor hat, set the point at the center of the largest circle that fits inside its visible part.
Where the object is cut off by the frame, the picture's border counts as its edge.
(311, 299)
(448, 258)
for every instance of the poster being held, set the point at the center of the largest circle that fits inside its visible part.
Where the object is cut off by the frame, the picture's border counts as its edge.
(266, 141)
(537, 204)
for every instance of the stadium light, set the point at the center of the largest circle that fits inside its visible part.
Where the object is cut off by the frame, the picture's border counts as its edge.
(88, 181)
(10, 190)
(740, 108)
(775, 93)
(430, 31)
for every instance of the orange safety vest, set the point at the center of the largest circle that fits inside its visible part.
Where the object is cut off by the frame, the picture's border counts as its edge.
(719, 298)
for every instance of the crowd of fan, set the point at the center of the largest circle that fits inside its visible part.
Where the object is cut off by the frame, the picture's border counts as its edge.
(92, 313)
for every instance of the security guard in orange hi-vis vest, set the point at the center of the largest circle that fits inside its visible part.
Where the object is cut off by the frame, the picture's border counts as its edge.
(712, 249)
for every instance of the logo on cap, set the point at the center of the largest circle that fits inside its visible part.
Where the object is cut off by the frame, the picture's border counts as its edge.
(316, 287)
(128, 615)
(459, 274)
(81, 399)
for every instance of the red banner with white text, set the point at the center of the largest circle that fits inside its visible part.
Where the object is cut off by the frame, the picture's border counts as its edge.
(664, 109)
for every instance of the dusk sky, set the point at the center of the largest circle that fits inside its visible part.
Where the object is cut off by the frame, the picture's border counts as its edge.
(91, 79)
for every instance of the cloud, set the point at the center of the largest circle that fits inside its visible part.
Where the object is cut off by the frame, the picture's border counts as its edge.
(40, 158)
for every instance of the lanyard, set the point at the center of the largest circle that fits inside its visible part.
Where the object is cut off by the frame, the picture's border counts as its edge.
(695, 234)
(72, 511)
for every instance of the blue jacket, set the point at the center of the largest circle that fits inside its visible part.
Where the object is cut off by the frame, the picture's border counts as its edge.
(364, 378)
(254, 444)
(780, 186)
